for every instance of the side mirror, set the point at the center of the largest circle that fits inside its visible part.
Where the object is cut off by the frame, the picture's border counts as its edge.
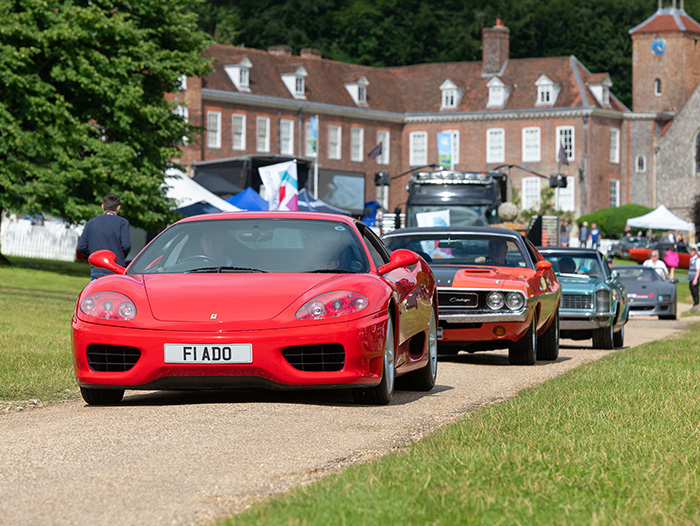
(614, 274)
(399, 258)
(674, 280)
(106, 259)
(543, 265)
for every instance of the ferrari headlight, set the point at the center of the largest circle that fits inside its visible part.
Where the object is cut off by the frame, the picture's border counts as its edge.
(108, 306)
(515, 300)
(495, 300)
(332, 305)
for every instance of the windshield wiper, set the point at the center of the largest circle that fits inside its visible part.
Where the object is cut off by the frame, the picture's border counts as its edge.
(330, 271)
(217, 270)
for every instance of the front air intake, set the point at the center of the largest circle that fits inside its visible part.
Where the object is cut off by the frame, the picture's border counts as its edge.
(112, 358)
(323, 357)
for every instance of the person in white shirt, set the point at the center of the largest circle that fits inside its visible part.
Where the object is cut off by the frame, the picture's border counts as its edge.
(658, 265)
(693, 275)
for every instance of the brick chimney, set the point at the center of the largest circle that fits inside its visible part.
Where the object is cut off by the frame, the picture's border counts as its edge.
(280, 51)
(310, 52)
(495, 47)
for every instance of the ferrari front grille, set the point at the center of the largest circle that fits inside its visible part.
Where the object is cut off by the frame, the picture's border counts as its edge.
(323, 357)
(576, 301)
(112, 358)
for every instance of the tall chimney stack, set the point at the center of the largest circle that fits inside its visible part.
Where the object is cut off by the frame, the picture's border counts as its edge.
(495, 47)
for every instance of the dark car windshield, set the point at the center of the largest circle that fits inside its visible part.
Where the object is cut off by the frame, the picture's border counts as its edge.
(634, 272)
(254, 245)
(463, 248)
(577, 263)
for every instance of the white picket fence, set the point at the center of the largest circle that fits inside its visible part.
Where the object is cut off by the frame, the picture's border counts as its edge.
(53, 239)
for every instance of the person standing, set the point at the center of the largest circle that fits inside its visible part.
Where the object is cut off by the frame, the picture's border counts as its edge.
(106, 232)
(693, 275)
(583, 234)
(658, 265)
(595, 236)
(564, 234)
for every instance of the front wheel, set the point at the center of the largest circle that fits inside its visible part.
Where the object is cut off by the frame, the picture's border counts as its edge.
(101, 396)
(381, 394)
(424, 379)
(524, 351)
(548, 344)
(603, 337)
(619, 337)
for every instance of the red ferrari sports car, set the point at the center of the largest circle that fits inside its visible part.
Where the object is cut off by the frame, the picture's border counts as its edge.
(258, 299)
(495, 290)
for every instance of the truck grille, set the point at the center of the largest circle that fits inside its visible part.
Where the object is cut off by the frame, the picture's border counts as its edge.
(324, 357)
(112, 358)
(576, 301)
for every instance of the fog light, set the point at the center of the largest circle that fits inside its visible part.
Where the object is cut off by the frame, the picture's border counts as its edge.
(499, 331)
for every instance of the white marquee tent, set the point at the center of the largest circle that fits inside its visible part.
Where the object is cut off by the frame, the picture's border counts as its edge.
(660, 219)
(186, 192)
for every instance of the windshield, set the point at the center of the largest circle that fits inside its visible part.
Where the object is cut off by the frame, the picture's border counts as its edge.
(463, 249)
(634, 272)
(441, 215)
(580, 264)
(254, 245)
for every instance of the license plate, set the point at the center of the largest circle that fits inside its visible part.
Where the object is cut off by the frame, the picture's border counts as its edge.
(205, 353)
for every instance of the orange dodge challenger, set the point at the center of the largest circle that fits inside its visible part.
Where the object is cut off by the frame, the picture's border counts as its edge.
(495, 290)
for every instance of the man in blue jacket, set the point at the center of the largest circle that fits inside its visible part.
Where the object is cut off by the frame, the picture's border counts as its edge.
(106, 232)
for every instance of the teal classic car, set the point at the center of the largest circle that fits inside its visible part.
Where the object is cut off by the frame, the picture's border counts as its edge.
(594, 301)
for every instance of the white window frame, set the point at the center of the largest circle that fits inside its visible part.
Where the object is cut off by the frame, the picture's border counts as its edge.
(544, 95)
(614, 193)
(567, 135)
(418, 148)
(262, 134)
(564, 197)
(657, 87)
(335, 138)
(449, 98)
(286, 137)
(531, 144)
(213, 129)
(384, 136)
(614, 146)
(495, 145)
(299, 86)
(238, 135)
(308, 150)
(643, 160)
(244, 77)
(357, 141)
(531, 189)
(362, 94)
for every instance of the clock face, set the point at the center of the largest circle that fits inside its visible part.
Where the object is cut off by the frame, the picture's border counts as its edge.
(658, 46)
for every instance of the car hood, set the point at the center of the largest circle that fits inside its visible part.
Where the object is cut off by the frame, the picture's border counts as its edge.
(645, 287)
(578, 283)
(230, 297)
(480, 277)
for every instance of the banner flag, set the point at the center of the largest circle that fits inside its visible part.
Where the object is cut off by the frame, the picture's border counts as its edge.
(281, 185)
(313, 136)
(445, 149)
(562, 157)
(376, 151)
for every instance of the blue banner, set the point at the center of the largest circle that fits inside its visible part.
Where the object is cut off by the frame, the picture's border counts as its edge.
(313, 136)
(444, 141)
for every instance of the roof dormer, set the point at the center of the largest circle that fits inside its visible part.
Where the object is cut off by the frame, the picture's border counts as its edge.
(451, 95)
(498, 93)
(600, 87)
(296, 82)
(240, 74)
(358, 90)
(547, 91)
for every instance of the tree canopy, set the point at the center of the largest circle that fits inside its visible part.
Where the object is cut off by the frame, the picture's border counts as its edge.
(82, 106)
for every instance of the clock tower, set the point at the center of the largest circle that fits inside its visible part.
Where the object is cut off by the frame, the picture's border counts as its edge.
(665, 60)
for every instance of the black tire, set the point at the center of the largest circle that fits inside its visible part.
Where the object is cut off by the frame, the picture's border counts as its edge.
(668, 317)
(548, 344)
(524, 351)
(101, 396)
(381, 394)
(603, 337)
(424, 379)
(619, 337)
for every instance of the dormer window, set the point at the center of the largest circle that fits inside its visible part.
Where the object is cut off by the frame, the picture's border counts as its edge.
(547, 91)
(358, 90)
(601, 91)
(450, 95)
(498, 93)
(240, 74)
(296, 82)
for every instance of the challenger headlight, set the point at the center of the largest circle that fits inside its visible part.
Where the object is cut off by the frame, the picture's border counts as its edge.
(515, 300)
(495, 300)
(332, 305)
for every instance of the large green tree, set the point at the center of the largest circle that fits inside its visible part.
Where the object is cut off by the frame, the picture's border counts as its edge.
(82, 105)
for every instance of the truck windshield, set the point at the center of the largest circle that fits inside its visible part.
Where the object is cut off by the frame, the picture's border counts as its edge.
(441, 215)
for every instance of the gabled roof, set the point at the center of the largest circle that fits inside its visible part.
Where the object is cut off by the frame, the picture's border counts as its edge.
(409, 89)
(667, 19)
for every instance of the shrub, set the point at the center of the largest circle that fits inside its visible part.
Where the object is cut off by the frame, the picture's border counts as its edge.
(611, 221)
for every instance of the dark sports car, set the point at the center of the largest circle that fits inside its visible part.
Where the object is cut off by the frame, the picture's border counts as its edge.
(649, 294)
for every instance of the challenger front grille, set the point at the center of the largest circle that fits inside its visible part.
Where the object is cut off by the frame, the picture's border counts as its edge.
(576, 301)
(323, 357)
(112, 358)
